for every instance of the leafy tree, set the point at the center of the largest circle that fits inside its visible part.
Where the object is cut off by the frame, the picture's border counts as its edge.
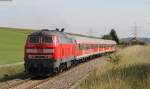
(114, 36)
(111, 36)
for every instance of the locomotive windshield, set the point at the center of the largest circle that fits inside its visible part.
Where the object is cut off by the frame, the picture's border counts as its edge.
(34, 39)
(47, 39)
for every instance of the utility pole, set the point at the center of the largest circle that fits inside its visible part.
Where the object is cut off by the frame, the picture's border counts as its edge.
(135, 32)
(135, 35)
(90, 32)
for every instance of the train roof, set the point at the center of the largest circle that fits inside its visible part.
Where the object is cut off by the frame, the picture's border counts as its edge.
(89, 40)
(78, 37)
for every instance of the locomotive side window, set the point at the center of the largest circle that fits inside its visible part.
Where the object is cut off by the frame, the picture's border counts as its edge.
(47, 39)
(34, 39)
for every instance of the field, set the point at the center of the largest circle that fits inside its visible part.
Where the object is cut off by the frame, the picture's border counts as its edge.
(11, 72)
(131, 71)
(129, 68)
(12, 45)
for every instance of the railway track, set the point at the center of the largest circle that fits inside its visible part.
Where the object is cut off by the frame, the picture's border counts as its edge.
(12, 83)
(61, 81)
(28, 83)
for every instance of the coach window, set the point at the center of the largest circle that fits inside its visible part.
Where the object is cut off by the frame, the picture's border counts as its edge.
(84, 46)
(87, 46)
(102, 46)
(96, 46)
(92, 46)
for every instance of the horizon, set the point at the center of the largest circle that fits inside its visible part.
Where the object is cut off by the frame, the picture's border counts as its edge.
(11, 28)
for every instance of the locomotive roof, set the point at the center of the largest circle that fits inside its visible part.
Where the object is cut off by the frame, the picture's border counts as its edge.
(63, 38)
(47, 32)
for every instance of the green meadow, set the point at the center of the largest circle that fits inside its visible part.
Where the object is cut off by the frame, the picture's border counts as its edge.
(12, 45)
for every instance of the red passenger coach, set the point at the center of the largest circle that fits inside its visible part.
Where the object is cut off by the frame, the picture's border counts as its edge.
(88, 47)
(49, 51)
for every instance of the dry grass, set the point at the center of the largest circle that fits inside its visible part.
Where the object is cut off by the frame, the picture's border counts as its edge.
(131, 72)
(11, 72)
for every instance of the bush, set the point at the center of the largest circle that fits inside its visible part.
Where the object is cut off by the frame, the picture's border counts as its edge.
(114, 58)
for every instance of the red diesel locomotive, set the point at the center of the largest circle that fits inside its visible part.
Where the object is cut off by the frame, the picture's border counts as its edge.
(49, 51)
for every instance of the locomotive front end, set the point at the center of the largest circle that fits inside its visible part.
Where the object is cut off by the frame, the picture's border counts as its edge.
(40, 53)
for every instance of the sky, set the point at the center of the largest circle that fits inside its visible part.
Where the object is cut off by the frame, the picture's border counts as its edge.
(90, 17)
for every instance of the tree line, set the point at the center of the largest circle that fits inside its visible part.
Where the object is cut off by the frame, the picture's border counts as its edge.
(111, 36)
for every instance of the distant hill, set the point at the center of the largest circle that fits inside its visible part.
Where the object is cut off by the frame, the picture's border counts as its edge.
(146, 40)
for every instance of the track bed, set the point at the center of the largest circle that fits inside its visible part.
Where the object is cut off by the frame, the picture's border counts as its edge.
(64, 80)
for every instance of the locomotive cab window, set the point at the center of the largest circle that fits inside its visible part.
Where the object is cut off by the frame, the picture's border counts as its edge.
(34, 39)
(47, 39)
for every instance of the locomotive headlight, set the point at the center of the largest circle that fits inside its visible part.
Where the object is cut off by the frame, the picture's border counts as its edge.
(48, 50)
(31, 50)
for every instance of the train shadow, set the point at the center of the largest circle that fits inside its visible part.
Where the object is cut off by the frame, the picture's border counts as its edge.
(39, 77)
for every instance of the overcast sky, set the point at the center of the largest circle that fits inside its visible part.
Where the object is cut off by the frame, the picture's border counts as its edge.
(92, 17)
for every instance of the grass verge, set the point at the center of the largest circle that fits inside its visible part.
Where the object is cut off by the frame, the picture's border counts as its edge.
(131, 72)
(11, 72)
